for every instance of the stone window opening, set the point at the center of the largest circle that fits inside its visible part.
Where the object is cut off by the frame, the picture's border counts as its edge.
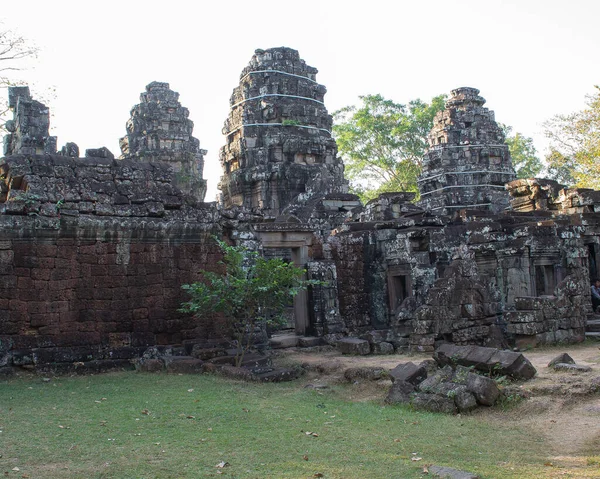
(399, 290)
(545, 279)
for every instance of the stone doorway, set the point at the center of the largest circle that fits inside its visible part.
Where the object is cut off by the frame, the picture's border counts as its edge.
(290, 243)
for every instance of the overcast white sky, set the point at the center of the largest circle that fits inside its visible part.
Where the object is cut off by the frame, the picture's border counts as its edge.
(531, 59)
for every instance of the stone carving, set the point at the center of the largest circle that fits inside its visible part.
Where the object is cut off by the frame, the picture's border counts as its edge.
(28, 131)
(468, 162)
(279, 151)
(159, 130)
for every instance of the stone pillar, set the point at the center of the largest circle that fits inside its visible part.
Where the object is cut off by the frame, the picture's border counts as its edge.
(468, 162)
(279, 149)
(159, 130)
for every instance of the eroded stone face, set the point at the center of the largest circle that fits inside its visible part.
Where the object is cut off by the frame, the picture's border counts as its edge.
(159, 130)
(279, 151)
(468, 162)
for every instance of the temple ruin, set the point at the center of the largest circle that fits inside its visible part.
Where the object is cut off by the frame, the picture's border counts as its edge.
(94, 249)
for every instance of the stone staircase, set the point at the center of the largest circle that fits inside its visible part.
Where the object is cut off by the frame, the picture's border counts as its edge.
(291, 340)
(592, 327)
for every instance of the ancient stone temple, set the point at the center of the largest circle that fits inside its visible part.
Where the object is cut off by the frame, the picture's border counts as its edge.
(279, 150)
(159, 130)
(468, 162)
(94, 250)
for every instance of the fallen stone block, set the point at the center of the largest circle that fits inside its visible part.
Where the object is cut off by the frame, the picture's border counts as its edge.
(563, 358)
(465, 401)
(490, 360)
(450, 473)
(371, 374)
(400, 393)
(512, 364)
(573, 368)
(433, 403)
(354, 346)
(443, 375)
(409, 372)
(484, 389)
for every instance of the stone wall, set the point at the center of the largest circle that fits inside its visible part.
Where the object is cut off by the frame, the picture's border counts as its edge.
(97, 288)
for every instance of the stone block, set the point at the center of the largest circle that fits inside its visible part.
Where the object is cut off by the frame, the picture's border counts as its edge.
(465, 401)
(563, 358)
(511, 363)
(408, 372)
(400, 392)
(150, 365)
(450, 473)
(484, 389)
(184, 365)
(309, 342)
(573, 368)
(369, 373)
(200, 352)
(354, 346)
(433, 403)
(383, 348)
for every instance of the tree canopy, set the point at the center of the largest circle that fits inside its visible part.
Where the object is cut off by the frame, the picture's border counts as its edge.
(382, 143)
(574, 156)
(523, 153)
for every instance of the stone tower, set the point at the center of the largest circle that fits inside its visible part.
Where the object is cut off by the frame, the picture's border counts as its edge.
(468, 162)
(159, 130)
(279, 150)
(28, 130)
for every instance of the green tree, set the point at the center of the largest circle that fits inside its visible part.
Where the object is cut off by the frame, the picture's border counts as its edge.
(251, 292)
(523, 153)
(574, 156)
(382, 143)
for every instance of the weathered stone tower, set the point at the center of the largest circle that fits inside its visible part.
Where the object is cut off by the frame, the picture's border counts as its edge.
(159, 130)
(279, 149)
(28, 131)
(468, 162)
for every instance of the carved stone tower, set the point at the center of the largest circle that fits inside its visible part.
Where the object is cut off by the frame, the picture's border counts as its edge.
(159, 130)
(28, 130)
(279, 149)
(468, 162)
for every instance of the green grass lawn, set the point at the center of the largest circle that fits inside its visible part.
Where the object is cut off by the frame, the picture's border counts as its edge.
(132, 425)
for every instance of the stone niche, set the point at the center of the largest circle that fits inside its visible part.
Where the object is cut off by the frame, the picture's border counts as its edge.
(468, 162)
(279, 150)
(159, 130)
